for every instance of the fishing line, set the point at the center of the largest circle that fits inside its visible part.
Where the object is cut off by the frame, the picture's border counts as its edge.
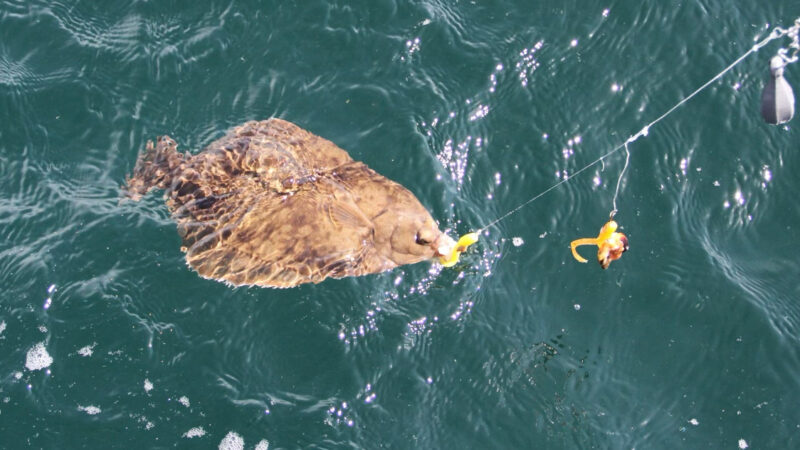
(793, 33)
(619, 181)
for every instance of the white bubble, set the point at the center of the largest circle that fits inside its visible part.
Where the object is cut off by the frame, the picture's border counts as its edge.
(517, 241)
(573, 43)
(2, 326)
(148, 386)
(262, 445)
(605, 12)
(743, 444)
(694, 422)
(184, 401)
(91, 410)
(196, 432)
(38, 358)
(231, 441)
(87, 351)
(577, 307)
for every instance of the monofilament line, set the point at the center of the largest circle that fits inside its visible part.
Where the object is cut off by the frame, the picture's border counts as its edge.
(619, 181)
(776, 33)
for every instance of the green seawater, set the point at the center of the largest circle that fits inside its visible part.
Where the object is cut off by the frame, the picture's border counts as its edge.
(690, 340)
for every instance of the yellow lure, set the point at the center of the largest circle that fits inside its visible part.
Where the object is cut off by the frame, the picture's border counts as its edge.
(460, 247)
(610, 245)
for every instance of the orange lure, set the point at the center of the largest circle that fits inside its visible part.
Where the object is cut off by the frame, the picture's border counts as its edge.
(610, 245)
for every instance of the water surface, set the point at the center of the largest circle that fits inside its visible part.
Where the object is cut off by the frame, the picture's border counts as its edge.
(107, 338)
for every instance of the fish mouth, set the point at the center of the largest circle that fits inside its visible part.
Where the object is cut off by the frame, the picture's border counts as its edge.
(443, 246)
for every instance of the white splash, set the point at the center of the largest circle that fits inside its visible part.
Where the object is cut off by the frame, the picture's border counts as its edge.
(517, 241)
(184, 401)
(38, 358)
(683, 165)
(262, 445)
(528, 63)
(694, 422)
(743, 444)
(231, 441)
(91, 410)
(480, 112)
(2, 326)
(148, 386)
(766, 175)
(739, 197)
(196, 432)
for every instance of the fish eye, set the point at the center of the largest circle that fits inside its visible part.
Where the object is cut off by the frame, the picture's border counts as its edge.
(422, 238)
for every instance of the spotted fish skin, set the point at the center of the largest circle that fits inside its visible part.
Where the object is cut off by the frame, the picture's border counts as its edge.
(271, 204)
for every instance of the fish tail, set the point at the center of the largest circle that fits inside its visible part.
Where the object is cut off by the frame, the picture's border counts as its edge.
(155, 167)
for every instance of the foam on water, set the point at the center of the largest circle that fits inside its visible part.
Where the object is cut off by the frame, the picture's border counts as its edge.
(91, 410)
(231, 441)
(196, 432)
(87, 350)
(38, 358)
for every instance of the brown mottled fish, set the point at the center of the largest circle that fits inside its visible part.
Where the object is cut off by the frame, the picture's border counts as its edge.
(271, 204)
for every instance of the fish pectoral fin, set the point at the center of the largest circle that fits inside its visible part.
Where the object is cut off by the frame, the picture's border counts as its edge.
(348, 215)
(577, 243)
